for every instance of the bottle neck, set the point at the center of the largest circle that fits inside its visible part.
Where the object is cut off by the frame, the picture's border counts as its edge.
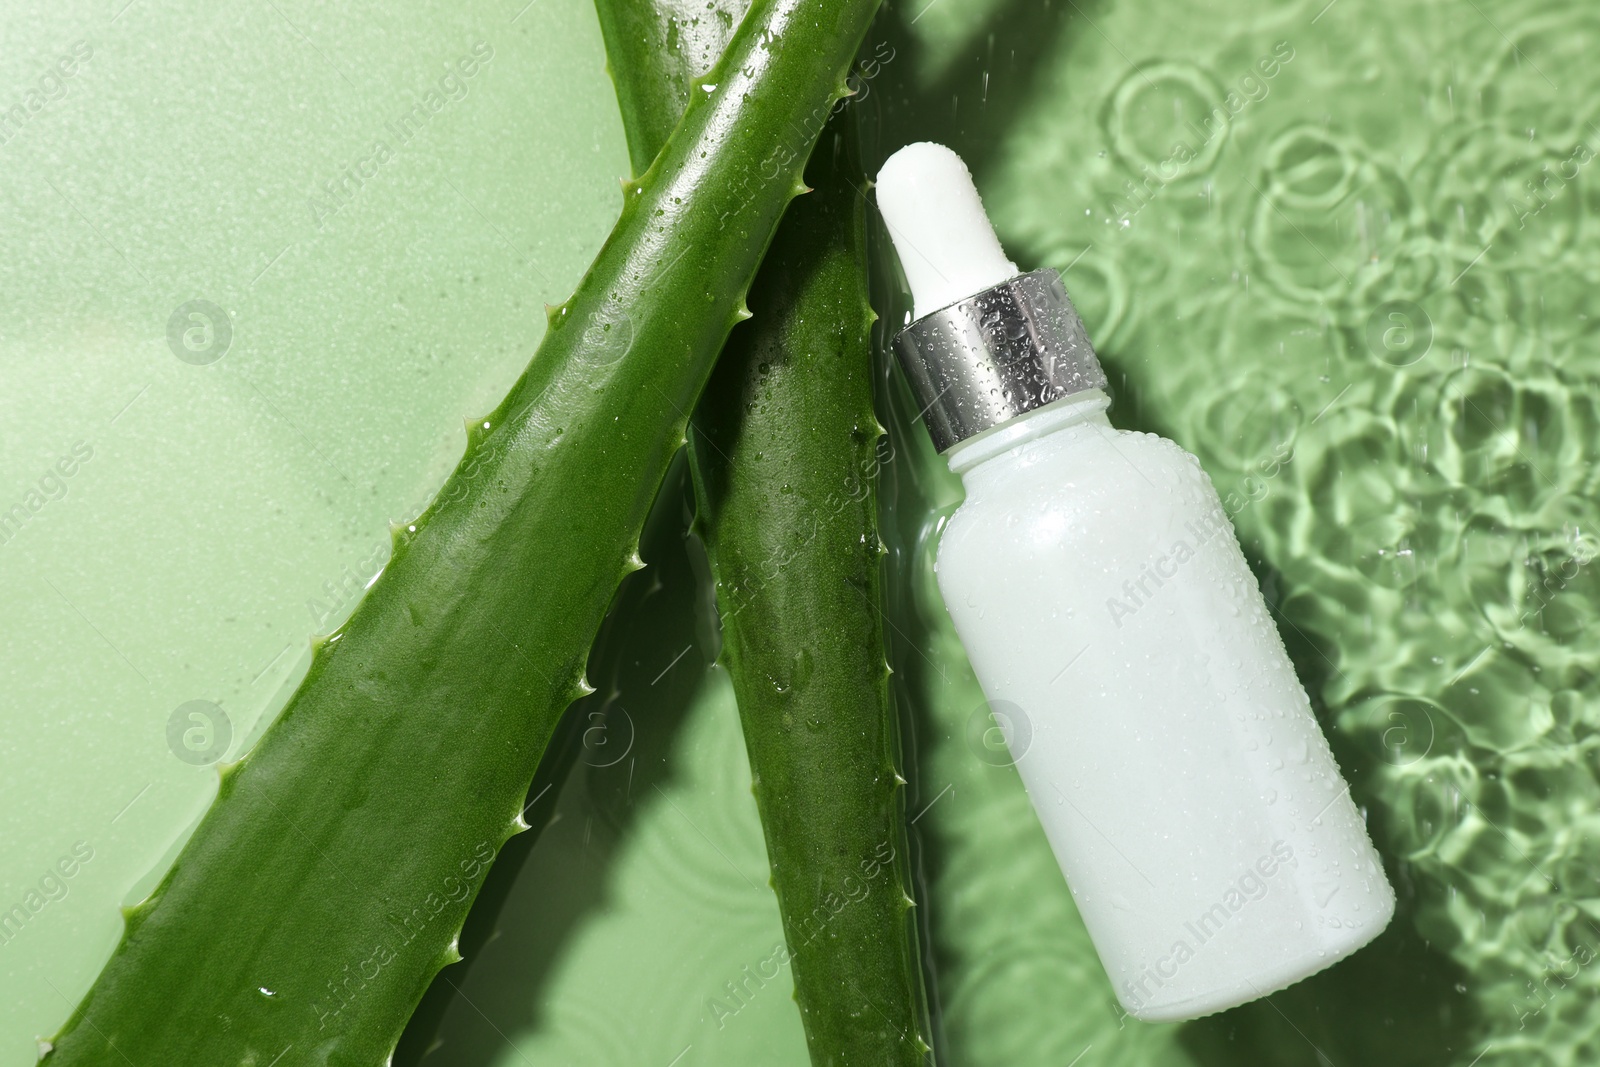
(985, 361)
(965, 456)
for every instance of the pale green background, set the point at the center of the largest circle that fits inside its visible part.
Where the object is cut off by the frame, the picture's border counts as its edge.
(219, 500)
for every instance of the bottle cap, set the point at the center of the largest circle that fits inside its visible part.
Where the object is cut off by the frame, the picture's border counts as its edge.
(989, 344)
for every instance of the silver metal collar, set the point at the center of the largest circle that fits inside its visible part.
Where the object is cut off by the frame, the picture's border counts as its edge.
(1002, 353)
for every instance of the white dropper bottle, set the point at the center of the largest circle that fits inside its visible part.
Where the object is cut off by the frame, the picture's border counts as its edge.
(1175, 764)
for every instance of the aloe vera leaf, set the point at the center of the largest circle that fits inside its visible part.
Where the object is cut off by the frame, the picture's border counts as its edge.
(655, 52)
(327, 883)
(785, 448)
(785, 462)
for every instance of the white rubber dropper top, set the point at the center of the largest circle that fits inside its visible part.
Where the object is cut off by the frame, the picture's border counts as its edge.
(946, 244)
